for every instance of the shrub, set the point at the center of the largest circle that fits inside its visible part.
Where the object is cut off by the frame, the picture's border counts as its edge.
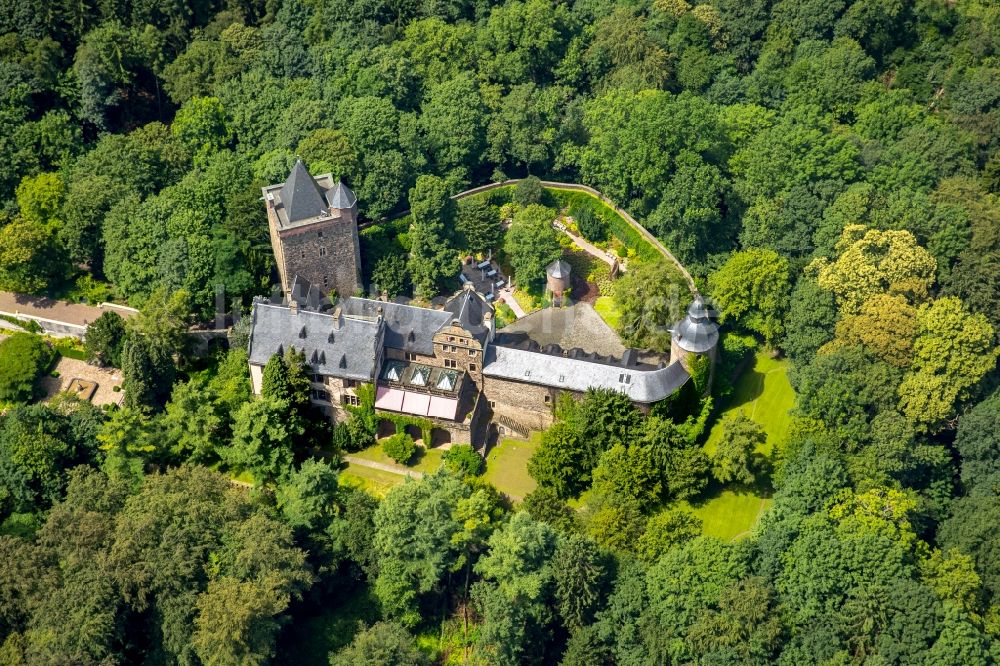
(90, 290)
(463, 459)
(528, 191)
(591, 226)
(23, 358)
(105, 339)
(29, 325)
(399, 447)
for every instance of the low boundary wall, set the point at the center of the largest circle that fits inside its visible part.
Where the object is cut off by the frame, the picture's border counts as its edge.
(641, 230)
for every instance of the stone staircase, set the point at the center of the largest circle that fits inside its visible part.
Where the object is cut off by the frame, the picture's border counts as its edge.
(512, 427)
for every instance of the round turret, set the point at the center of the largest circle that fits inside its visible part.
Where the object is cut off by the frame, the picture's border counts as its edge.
(557, 277)
(697, 333)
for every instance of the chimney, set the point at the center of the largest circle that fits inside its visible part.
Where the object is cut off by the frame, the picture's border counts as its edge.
(379, 313)
(338, 318)
(293, 306)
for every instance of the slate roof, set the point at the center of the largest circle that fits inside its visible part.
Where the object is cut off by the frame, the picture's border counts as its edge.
(697, 332)
(301, 197)
(348, 352)
(408, 327)
(305, 294)
(641, 385)
(558, 269)
(341, 196)
(469, 309)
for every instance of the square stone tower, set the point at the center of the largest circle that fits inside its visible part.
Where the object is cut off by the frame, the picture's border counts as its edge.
(314, 232)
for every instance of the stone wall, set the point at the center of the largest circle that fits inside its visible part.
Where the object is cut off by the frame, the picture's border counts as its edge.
(464, 352)
(326, 253)
(529, 405)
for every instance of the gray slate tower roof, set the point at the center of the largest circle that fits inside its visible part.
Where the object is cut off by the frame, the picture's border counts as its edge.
(469, 310)
(301, 196)
(558, 269)
(341, 197)
(697, 332)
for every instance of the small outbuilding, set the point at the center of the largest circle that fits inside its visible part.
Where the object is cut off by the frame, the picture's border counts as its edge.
(557, 277)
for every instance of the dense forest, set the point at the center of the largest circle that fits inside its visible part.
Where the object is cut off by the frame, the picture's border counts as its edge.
(828, 171)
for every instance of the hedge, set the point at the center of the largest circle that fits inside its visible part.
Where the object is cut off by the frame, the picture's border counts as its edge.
(616, 224)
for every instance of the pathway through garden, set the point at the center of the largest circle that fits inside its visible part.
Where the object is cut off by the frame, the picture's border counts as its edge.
(395, 469)
(590, 249)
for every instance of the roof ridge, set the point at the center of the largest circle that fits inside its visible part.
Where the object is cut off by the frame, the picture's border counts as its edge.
(331, 315)
(392, 303)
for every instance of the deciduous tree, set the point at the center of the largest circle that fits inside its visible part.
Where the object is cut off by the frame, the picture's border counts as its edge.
(530, 243)
(952, 352)
(23, 358)
(432, 258)
(752, 288)
(871, 262)
(734, 458)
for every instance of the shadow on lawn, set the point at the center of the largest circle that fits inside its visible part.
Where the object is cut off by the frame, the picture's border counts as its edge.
(325, 621)
(417, 456)
(747, 386)
(761, 488)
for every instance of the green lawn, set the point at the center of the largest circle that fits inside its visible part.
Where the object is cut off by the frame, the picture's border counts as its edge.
(375, 481)
(507, 466)
(729, 514)
(764, 394)
(606, 307)
(424, 460)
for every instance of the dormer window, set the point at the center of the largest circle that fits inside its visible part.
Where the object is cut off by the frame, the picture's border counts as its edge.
(625, 379)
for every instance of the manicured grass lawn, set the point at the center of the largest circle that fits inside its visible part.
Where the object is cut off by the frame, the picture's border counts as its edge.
(507, 466)
(729, 514)
(764, 394)
(310, 639)
(375, 481)
(424, 460)
(606, 307)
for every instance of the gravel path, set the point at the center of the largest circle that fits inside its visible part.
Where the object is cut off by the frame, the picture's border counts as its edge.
(589, 248)
(395, 469)
(46, 308)
(508, 298)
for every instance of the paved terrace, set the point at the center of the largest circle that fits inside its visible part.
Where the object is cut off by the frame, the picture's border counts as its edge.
(74, 315)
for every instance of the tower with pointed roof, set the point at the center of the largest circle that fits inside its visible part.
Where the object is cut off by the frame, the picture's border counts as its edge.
(696, 336)
(313, 223)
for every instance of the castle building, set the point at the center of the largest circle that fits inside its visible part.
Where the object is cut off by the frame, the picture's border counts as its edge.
(313, 223)
(441, 367)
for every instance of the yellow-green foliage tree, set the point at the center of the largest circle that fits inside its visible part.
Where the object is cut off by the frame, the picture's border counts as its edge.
(871, 262)
(885, 326)
(40, 198)
(954, 349)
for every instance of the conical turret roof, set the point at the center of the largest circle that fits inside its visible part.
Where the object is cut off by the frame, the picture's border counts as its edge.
(697, 332)
(340, 196)
(558, 269)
